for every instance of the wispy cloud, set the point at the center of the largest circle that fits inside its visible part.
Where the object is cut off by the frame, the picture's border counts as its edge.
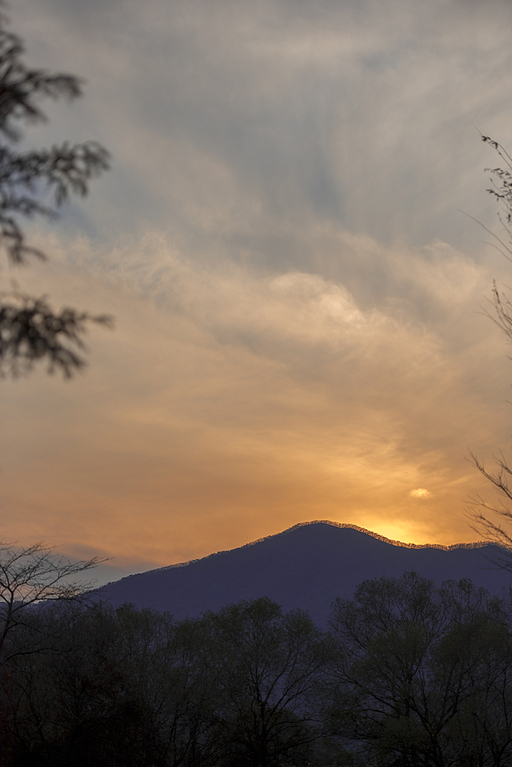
(228, 403)
(296, 293)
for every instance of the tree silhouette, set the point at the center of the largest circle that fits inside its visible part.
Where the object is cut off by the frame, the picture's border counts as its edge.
(422, 673)
(35, 183)
(30, 576)
(486, 516)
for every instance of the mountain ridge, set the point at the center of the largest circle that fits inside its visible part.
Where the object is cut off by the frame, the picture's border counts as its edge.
(343, 525)
(306, 566)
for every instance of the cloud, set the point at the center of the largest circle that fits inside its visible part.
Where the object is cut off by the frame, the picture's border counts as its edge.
(227, 118)
(421, 493)
(297, 297)
(231, 402)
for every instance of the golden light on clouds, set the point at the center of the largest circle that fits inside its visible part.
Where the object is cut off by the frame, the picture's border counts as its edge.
(297, 300)
(228, 406)
(421, 493)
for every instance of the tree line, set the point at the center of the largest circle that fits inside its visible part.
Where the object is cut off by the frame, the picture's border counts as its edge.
(407, 674)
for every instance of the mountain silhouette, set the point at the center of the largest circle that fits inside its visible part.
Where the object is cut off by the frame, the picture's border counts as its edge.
(306, 566)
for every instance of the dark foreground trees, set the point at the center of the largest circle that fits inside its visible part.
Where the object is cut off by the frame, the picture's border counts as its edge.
(126, 687)
(269, 670)
(423, 674)
(77, 703)
(30, 579)
(31, 576)
(409, 675)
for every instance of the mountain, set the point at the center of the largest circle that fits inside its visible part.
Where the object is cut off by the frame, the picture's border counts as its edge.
(307, 566)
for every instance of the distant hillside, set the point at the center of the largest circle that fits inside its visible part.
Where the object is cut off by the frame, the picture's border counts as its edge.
(307, 566)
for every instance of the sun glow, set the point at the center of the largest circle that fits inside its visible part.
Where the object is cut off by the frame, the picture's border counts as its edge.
(421, 493)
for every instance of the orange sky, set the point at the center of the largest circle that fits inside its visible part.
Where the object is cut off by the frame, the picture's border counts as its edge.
(297, 299)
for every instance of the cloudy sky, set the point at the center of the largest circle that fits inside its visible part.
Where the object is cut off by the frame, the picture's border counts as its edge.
(285, 241)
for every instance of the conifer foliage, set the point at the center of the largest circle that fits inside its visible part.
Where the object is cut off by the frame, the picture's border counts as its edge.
(35, 183)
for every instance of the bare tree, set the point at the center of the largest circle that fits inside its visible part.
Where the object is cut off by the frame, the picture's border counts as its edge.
(35, 183)
(270, 668)
(30, 576)
(421, 672)
(482, 512)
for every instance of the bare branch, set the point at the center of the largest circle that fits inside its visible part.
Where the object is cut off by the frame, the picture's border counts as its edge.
(480, 511)
(36, 574)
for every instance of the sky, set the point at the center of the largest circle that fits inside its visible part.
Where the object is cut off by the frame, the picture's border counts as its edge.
(287, 241)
